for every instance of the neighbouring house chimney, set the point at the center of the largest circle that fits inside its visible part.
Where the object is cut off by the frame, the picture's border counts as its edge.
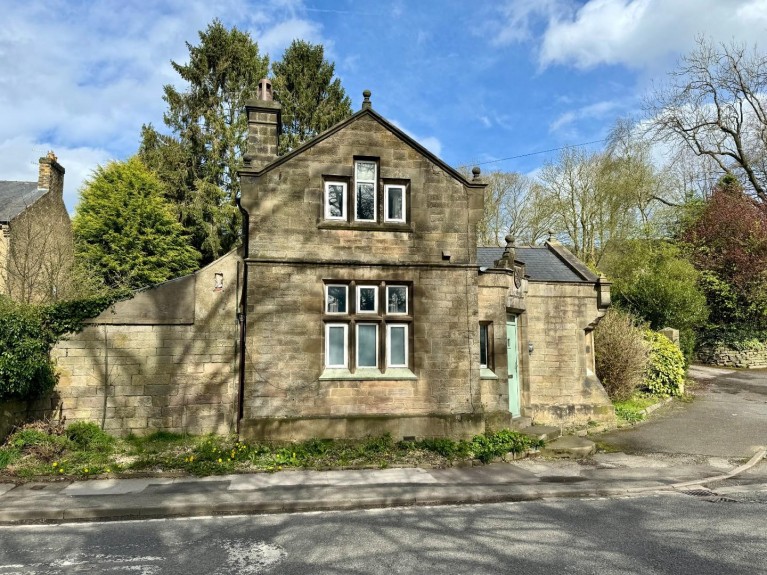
(51, 174)
(264, 128)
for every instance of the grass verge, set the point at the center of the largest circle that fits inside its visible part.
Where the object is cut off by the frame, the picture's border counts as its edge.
(632, 410)
(47, 450)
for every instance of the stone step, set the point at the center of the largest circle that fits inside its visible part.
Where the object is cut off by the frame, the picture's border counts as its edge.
(570, 446)
(521, 423)
(545, 432)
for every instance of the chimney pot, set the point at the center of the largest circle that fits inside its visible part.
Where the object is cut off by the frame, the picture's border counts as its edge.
(265, 90)
(50, 174)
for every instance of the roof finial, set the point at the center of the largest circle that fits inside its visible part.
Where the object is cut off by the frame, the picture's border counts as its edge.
(509, 253)
(475, 172)
(366, 99)
(552, 239)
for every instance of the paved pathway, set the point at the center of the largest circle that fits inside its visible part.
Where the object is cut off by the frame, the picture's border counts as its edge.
(687, 443)
(727, 419)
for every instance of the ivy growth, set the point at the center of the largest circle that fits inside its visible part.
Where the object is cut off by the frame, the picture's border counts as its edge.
(27, 334)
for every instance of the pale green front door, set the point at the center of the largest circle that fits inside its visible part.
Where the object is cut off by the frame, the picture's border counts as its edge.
(513, 364)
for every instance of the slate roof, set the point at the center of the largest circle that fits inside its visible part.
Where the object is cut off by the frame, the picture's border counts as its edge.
(15, 197)
(541, 264)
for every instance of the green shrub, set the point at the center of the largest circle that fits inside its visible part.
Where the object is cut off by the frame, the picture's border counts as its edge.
(736, 336)
(486, 447)
(27, 334)
(89, 436)
(652, 280)
(665, 367)
(26, 370)
(621, 354)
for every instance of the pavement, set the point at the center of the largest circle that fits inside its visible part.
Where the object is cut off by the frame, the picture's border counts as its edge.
(665, 453)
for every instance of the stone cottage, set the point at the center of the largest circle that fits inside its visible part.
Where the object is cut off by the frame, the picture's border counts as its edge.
(358, 305)
(35, 235)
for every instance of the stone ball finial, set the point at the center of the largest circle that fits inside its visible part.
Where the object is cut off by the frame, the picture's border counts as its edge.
(509, 240)
(366, 98)
(475, 172)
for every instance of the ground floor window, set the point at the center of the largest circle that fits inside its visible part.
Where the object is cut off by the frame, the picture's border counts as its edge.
(360, 334)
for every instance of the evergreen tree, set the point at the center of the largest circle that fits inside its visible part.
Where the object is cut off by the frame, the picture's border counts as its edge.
(312, 101)
(126, 232)
(198, 163)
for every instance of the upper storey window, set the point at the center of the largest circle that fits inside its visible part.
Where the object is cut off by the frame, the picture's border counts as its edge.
(335, 200)
(365, 177)
(358, 197)
(394, 203)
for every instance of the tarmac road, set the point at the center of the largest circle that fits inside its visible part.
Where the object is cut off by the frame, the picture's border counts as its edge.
(728, 418)
(649, 535)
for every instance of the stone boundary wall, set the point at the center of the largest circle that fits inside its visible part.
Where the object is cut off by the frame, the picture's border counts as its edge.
(732, 357)
(16, 413)
(165, 360)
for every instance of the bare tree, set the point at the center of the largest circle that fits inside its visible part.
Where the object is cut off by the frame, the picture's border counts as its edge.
(587, 204)
(38, 264)
(714, 104)
(512, 207)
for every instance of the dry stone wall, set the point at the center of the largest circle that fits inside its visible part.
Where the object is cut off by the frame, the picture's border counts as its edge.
(733, 358)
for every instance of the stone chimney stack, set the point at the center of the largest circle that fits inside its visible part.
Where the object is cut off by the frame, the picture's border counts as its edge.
(264, 128)
(51, 174)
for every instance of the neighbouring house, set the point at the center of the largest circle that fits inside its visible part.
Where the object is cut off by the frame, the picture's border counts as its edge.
(35, 235)
(358, 305)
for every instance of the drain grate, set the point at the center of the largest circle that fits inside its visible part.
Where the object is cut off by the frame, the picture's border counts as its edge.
(708, 495)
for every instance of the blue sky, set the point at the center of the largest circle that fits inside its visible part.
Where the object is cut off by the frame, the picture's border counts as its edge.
(472, 81)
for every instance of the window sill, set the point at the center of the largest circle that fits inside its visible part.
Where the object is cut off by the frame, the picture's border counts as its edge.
(485, 373)
(365, 226)
(392, 373)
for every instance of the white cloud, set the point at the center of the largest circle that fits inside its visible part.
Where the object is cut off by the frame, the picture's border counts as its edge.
(279, 37)
(519, 18)
(431, 143)
(642, 34)
(19, 161)
(596, 110)
(81, 78)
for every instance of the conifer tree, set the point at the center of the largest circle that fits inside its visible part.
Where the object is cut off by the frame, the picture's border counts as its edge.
(125, 230)
(198, 162)
(312, 101)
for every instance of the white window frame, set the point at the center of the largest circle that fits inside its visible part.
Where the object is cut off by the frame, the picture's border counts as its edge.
(407, 294)
(357, 345)
(389, 327)
(375, 299)
(345, 327)
(374, 181)
(344, 215)
(387, 217)
(327, 299)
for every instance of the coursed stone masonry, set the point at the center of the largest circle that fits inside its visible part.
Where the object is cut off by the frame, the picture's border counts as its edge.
(164, 360)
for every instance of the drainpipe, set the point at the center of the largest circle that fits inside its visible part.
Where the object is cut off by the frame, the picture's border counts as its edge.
(242, 314)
